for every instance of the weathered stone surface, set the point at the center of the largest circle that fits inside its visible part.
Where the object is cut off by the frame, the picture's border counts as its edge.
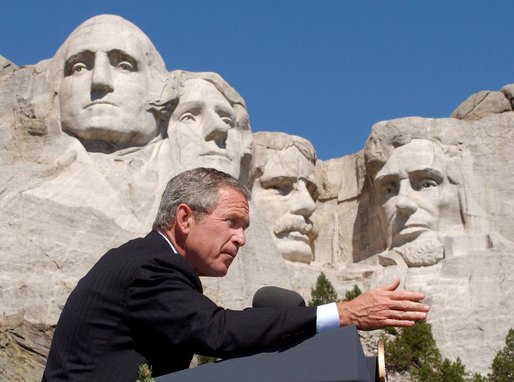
(70, 192)
(24, 348)
(471, 304)
(481, 104)
(6, 66)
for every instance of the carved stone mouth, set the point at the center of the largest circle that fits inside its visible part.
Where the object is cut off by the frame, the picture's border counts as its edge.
(97, 103)
(221, 154)
(414, 227)
(409, 233)
(295, 235)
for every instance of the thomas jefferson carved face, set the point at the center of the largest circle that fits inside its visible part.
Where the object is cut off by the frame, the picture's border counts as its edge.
(285, 193)
(204, 129)
(418, 202)
(104, 94)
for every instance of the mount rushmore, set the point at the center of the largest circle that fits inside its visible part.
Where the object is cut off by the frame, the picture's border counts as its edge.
(91, 136)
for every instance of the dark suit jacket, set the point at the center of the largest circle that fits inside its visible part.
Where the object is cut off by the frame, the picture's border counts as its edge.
(143, 303)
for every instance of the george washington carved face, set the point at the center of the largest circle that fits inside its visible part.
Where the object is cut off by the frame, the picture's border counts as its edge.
(107, 79)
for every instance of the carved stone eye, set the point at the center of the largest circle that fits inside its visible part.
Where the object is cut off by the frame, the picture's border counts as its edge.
(125, 66)
(77, 67)
(229, 121)
(187, 118)
(425, 184)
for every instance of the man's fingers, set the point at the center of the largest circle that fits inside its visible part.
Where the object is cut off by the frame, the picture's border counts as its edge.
(409, 316)
(405, 305)
(405, 295)
(398, 323)
(392, 285)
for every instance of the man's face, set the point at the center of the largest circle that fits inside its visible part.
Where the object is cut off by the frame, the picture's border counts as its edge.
(104, 93)
(203, 127)
(414, 193)
(285, 195)
(214, 239)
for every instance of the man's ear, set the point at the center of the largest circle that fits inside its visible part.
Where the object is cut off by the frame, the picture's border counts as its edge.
(183, 218)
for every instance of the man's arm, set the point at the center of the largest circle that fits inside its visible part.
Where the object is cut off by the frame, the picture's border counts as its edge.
(383, 307)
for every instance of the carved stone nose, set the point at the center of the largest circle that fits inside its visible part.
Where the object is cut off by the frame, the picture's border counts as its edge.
(215, 129)
(303, 203)
(404, 202)
(101, 80)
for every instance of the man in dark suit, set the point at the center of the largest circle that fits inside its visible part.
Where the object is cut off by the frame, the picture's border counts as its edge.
(143, 302)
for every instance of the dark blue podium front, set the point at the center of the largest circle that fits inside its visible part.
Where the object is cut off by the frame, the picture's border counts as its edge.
(333, 356)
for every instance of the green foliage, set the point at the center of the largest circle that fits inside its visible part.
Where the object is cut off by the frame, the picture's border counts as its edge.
(477, 378)
(351, 294)
(452, 371)
(391, 330)
(502, 369)
(323, 293)
(413, 348)
(203, 359)
(144, 373)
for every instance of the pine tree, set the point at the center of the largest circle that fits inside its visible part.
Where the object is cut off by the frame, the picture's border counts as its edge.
(351, 294)
(144, 373)
(503, 364)
(323, 293)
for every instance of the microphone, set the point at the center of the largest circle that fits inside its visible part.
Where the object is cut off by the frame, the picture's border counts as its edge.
(275, 297)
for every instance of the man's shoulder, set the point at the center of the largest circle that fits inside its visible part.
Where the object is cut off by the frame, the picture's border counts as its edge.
(148, 251)
(151, 243)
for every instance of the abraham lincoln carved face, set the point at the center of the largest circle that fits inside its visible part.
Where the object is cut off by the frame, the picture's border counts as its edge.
(418, 203)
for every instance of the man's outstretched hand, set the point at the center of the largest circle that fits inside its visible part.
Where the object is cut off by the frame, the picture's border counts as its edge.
(382, 307)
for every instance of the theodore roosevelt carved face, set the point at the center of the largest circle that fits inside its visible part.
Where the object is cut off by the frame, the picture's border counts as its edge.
(418, 203)
(110, 68)
(284, 191)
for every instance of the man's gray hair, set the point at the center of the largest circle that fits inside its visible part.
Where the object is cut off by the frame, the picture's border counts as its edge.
(198, 188)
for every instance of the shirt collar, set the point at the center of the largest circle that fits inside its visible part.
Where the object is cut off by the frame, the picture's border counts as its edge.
(169, 242)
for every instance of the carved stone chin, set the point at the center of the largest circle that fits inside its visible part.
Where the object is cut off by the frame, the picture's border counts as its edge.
(421, 253)
(295, 250)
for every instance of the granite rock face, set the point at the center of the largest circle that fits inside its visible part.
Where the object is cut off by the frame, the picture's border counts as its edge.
(427, 200)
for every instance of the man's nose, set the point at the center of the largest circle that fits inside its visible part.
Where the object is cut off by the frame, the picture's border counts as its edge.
(405, 203)
(215, 129)
(302, 203)
(240, 237)
(101, 80)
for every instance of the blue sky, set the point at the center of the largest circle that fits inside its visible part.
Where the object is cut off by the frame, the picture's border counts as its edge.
(324, 70)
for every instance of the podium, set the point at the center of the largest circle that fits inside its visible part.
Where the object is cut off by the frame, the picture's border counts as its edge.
(335, 355)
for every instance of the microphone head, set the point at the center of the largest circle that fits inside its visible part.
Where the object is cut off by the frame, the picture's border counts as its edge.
(275, 297)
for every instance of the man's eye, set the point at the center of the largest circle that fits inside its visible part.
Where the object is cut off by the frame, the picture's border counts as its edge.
(77, 68)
